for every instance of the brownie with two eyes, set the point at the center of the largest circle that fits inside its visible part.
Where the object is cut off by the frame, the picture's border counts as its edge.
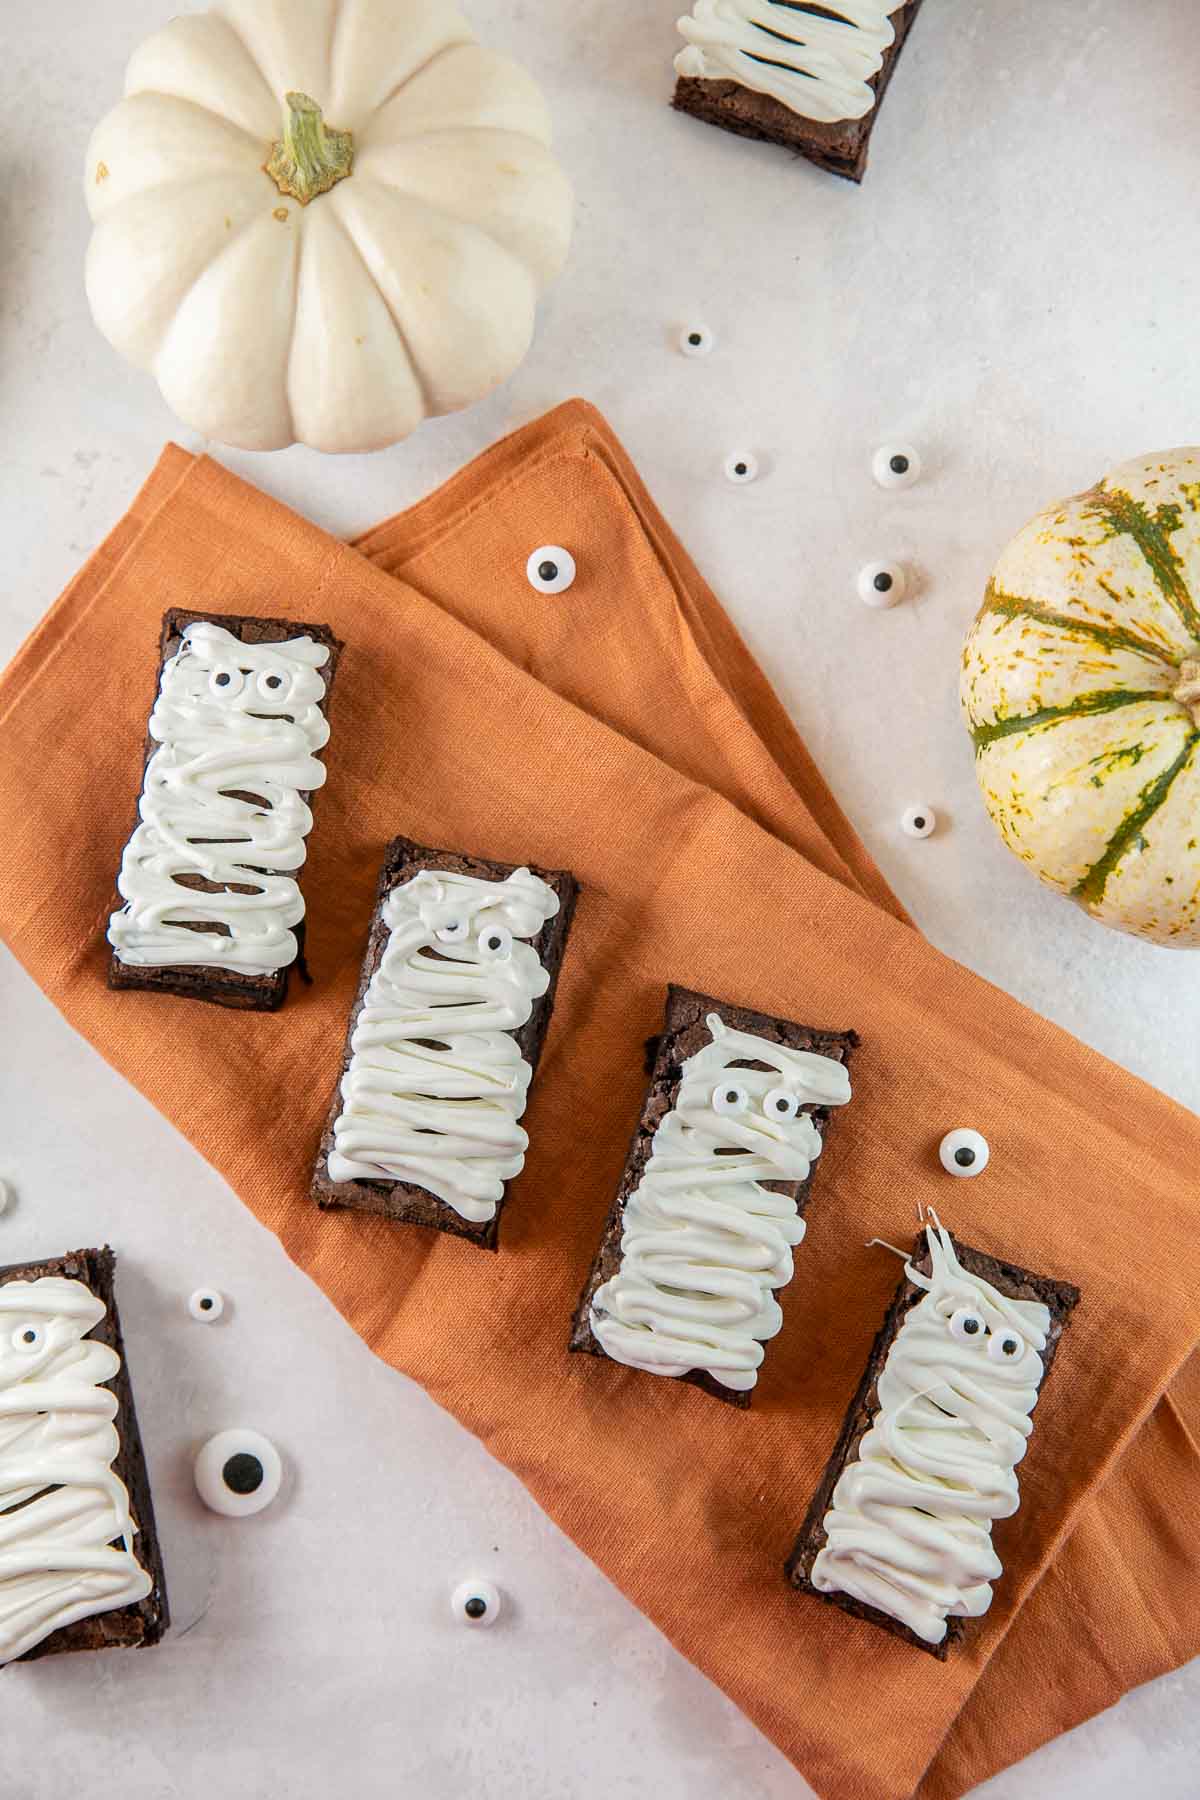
(1008, 1279)
(222, 987)
(143, 1623)
(840, 147)
(684, 1033)
(404, 1201)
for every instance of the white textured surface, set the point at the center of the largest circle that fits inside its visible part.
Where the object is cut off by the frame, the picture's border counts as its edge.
(1013, 290)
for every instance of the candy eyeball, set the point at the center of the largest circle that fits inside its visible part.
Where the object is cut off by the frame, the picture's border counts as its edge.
(729, 1097)
(882, 584)
(896, 466)
(740, 467)
(967, 1325)
(28, 1338)
(226, 682)
(238, 1473)
(919, 822)
(495, 942)
(964, 1153)
(779, 1104)
(206, 1304)
(273, 685)
(695, 340)
(476, 1603)
(1005, 1346)
(454, 931)
(550, 569)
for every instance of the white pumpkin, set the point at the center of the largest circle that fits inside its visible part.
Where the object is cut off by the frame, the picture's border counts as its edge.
(1081, 689)
(385, 269)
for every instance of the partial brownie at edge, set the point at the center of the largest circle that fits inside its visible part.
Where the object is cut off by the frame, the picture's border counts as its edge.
(143, 1623)
(221, 987)
(405, 1201)
(684, 1033)
(841, 147)
(1010, 1280)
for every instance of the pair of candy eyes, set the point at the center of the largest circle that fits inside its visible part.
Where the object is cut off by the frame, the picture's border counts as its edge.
(729, 1099)
(967, 1326)
(494, 942)
(227, 684)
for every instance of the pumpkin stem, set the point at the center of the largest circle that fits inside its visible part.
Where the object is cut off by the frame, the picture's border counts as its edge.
(1188, 691)
(310, 157)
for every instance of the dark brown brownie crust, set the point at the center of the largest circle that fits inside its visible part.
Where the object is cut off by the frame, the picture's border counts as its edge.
(142, 1624)
(684, 1033)
(403, 1200)
(840, 148)
(1016, 1284)
(223, 987)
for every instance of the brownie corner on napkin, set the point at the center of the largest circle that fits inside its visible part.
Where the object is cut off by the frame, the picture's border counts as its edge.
(684, 1033)
(1009, 1279)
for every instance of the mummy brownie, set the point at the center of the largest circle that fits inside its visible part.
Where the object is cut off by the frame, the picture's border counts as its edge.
(211, 906)
(711, 1205)
(900, 1529)
(80, 1568)
(452, 1010)
(805, 76)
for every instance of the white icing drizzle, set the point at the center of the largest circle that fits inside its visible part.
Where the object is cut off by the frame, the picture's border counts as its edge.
(704, 1242)
(66, 1535)
(820, 68)
(230, 720)
(909, 1529)
(436, 1082)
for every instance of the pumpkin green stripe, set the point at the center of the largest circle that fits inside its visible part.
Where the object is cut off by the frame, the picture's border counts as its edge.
(1108, 637)
(1091, 888)
(1150, 531)
(1104, 700)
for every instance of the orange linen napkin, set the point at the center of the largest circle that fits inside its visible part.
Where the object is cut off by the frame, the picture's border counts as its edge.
(623, 731)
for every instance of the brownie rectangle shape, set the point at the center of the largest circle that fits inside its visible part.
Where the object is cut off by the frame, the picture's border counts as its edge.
(840, 147)
(1010, 1280)
(684, 1033)
(224, 987)
(405, 1201)
(143, 1623)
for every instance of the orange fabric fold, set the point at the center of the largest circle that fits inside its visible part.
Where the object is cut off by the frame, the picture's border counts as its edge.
(623, 730)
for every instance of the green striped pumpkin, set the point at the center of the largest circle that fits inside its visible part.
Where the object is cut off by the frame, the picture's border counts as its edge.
(1081, 690)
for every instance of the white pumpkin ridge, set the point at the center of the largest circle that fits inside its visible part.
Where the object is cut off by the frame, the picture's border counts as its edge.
(1081, 690)
(337, 318)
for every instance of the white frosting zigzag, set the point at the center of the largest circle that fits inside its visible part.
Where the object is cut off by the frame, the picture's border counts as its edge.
(238, 727)
(436, 1082)
(909, 1529)
(704, 1243)
(58, 1562)
(818, 67)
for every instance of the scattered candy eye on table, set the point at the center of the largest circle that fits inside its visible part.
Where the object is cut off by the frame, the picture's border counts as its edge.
(741, 467)
(476, 1603)
(964, 1152)
(919, 822)
(551, 569)
(882, 584)
(238, 1473)
(207, 1305)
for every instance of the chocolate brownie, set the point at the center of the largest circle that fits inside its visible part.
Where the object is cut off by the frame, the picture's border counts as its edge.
(222, 987)
(684, 1033)
(143, 1623)
(405, 1201)
(1016, 1284)
(841, 147)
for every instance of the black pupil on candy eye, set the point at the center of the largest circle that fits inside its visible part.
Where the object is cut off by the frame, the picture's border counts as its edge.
(781, 1106)
(494, 943)
(206, 1304)
(548, 571)
(964, 1157)
(1009, 1346)
(29, 1337)
(732, 1097)
(920, 825)
(223, 679)
(274, 681)
(899, 465)
(739, 468)
(693, 337)
(883, 581)
(971, 1327)
(475, 1607)
(243, 1473)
